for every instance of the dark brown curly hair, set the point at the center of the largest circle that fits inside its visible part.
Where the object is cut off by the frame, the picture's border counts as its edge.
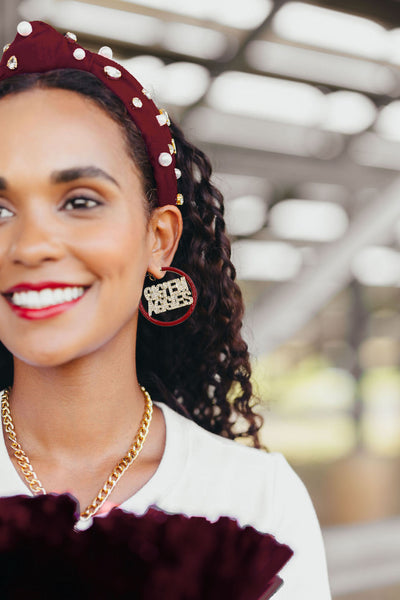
(200, 367)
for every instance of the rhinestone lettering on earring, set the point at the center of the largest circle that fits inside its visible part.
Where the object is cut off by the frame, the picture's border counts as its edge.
(168, 295)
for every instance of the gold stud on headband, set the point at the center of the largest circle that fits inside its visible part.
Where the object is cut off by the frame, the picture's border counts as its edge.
(112, 72)
(12, 63)
(137, 103)
(71, 36)
(163, 117)
(172, 147)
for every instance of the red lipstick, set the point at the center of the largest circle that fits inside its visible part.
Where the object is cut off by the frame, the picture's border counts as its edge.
(41, 285)
(33, 314)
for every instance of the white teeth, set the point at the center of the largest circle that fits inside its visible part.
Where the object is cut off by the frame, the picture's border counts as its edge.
(58, 296)
(46, 297)
(32, 299)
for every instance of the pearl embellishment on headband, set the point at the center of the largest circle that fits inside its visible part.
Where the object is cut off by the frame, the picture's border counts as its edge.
(106, 52)
(112, 72)
(12, 63)
(178, 173)
(79, 54)
(165, 159)
(137, 103)
(24, 28)
(71, 36)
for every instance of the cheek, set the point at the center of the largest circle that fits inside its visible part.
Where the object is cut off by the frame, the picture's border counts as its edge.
(7, 237)
(117, 252)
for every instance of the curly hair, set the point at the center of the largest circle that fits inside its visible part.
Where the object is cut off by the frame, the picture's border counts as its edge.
(201, 367)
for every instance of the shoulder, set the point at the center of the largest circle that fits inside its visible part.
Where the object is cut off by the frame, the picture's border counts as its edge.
(215, 451)
(250, 484)
(222, 477)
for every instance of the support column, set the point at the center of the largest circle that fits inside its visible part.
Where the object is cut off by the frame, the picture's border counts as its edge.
(9, 19)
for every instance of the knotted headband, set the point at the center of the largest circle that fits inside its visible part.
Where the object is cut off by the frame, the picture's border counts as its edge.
(38, 48)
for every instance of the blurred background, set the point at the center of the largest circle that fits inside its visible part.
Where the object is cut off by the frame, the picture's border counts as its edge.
(297, 105)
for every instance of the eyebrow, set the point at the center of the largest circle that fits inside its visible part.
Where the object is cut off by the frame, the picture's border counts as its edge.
(68, 175)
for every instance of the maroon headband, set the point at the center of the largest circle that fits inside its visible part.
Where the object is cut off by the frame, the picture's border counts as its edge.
(38, 48)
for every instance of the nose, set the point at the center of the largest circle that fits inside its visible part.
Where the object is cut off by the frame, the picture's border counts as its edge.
(34, 241)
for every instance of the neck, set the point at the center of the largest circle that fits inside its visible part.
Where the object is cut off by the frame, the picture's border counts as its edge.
(78, 408)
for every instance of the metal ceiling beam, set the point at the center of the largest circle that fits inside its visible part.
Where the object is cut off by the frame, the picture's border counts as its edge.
(283, 169)
(237, 61)
(280, 313)
(386, 11)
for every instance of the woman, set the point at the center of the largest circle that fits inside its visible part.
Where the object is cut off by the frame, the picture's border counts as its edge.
(97, 202)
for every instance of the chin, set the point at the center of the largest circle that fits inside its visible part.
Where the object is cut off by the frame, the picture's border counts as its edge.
(43, 359)
(44, 356)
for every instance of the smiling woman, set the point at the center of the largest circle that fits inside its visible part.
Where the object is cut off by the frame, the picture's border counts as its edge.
(97, 204)
(69, 227)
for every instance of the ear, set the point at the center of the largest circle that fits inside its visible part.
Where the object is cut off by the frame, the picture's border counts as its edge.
(165, 227)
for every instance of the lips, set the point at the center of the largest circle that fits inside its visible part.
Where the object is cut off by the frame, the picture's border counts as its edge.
(41, 285)
(44, 299)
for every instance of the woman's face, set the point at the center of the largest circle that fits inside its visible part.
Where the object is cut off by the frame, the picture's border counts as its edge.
(75, 239)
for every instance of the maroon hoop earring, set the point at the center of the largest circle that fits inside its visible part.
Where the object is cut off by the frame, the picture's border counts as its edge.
(169, 295)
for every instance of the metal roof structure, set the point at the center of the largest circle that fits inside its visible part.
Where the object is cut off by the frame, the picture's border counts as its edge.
(295, 102)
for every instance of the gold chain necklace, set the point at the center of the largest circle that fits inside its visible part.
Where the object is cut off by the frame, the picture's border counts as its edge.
(119, 469)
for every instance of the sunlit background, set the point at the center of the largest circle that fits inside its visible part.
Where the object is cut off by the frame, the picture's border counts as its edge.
(297, 105)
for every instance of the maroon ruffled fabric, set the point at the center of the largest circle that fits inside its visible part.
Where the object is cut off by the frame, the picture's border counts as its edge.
(149, 557)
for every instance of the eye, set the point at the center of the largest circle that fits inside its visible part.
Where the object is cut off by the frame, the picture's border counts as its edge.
(81, 203)
(5, 213)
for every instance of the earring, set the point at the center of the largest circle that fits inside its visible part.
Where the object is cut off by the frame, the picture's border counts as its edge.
(168, 296)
